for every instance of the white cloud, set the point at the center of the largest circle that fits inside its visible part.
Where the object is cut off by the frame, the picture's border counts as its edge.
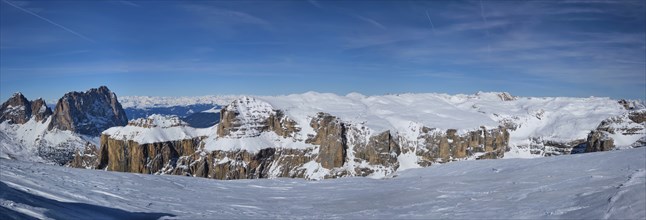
(370, 21)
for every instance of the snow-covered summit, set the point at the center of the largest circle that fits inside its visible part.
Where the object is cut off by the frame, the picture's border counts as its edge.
(250, 108)
(156, 128)
(551, 118)
(161, 101)
(157, 120)
(248, 117)
(19, 109)
(558, 118)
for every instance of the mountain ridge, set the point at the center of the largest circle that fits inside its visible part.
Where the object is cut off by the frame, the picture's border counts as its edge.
(322, 135)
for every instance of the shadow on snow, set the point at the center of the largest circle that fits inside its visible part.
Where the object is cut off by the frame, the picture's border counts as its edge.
(65, 210)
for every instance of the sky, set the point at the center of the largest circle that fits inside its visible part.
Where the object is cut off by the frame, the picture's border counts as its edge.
(193, 48)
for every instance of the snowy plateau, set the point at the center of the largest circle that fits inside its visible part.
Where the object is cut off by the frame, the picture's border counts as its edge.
(602, 185)
(421, 152)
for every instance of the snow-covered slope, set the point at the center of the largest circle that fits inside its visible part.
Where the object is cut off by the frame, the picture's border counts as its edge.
(551, 118)
(33, 141)
(157, 128)
(559, 118)
(532, 122)
(160, 101)
(585, 186)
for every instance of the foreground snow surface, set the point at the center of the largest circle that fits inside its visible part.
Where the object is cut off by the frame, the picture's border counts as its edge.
(589, 186)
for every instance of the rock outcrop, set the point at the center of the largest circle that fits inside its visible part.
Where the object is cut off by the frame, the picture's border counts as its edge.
(331, 137)
(629, 124)
(248, 117)
(338, 148)
(19, 110)
(505, 96)
(89, 112)
(87, 158)
(130, 156)
(599, 141)
(77, 114)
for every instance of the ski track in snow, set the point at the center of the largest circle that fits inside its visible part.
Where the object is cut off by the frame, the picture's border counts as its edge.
(583, 186)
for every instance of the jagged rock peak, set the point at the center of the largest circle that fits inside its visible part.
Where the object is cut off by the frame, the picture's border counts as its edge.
(244, 117)
(89, 112)
(249, 117)
(505, 96)
(251, 107)
(19, 109)
(40, 110)
(157, 120)
(632, 104)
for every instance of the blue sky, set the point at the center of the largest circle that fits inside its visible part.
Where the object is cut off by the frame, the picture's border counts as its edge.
(173, 48)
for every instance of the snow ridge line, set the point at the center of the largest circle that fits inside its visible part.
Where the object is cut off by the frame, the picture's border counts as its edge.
(632, 180)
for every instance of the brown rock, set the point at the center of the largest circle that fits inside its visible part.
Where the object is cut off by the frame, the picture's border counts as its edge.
(380, 150)
(330, 135)
(248, 117)
(40, 110)
(638, 116)
(599, 141)
(88, 158)
(89, 112)
(19, 110)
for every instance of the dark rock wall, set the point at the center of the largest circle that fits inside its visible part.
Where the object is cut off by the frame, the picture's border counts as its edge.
(19, 110)
(339, 144)
(89, 112)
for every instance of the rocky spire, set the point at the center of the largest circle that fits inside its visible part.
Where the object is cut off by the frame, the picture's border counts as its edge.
(19, 109)
(89, 112)
(40, 110)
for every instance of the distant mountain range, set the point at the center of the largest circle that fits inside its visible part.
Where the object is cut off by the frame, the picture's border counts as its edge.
(311, 135)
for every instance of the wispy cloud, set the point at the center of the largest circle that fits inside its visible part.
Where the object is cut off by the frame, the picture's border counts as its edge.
(430, 21)
(315, 3)
(350, 13)
(129, 3)
(370, 21)
(484, 19)
(477, 25)
(222, 16)
(67, 53)
(48, 21)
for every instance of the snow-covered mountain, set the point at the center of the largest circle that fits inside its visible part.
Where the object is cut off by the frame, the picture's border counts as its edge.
(604, 185)
(88, 113)
(142, 102)
(321, 135)
(180, 111)
(318, 135)
(536, 122)
(30, 131)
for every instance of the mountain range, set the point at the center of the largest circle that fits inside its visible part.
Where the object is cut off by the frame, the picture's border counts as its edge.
(311, 135)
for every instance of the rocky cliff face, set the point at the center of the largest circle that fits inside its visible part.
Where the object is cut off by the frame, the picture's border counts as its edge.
(30, 134)
(89, 112)
(337, 148)
(631, 126)
(331, 136)
(185, 157)
(87, 158)
(130, 156)
(19, 110)
(255, 140)
(248, 117)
